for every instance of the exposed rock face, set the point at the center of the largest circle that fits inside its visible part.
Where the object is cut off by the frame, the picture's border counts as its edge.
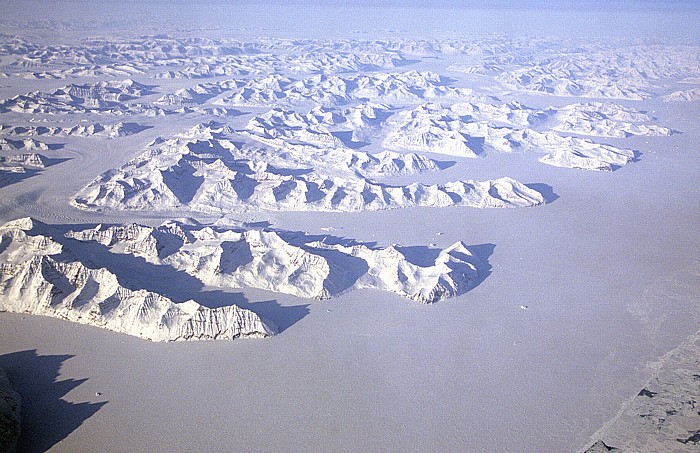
(10, 422)
(663, 415)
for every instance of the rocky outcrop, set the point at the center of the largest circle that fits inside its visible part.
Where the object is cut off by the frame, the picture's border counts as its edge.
(10, 422)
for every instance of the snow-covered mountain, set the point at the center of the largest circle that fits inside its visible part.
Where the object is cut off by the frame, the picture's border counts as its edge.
(113, 130)
(604, 119)
(203, 170)
(474, 129)
(692, 95)
(410, 87)
(26, 144)
(40, 276)
(109, 96)
(291, 263)
(41, 273)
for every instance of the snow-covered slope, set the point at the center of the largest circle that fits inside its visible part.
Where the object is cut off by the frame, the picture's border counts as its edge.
(598, 70)
(32, 160)
(113, 130)
(410, 87)
(39, 276)
(473, 129)
(292, 263)
(692, 95)
(427, 129)
(322, 127)
(203, 170)
(604, 119)
(100, 96)
(27, 144)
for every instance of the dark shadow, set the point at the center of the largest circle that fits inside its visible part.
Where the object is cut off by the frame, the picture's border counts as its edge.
(546, 190)
(637, 156)
(257, 225)
(51, 161)
(647, 393)
(234, 255)
(483, 252)
(10, 177)
(314, 192)
(476, 144)
(344, 269)
(693, 439)
(182, 182)
(46, 418)
(200, 98)
(283, 316)
(134, 128)
(444, 164)
(401, 62)
(282, 190)
(207, 148)
(300, 239)
(243, 185)
(296, 172)
(419, 255)
(235, 112)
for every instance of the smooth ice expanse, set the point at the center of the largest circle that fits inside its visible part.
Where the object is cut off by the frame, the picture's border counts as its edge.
(456, 228)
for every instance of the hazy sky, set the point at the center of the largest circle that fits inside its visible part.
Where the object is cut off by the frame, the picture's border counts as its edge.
(320, 18)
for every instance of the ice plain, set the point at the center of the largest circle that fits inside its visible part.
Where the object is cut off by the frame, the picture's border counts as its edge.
(571, 298)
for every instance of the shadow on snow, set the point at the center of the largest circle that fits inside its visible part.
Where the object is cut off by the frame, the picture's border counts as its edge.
(46, 417)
